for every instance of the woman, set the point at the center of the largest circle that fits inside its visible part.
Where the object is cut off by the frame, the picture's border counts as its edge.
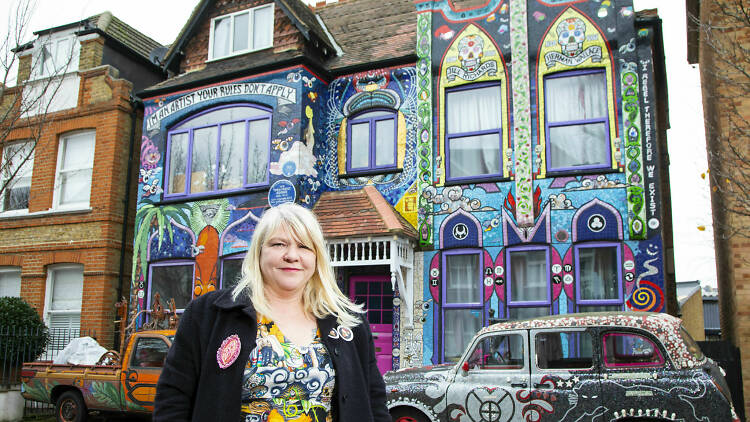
(284, 345)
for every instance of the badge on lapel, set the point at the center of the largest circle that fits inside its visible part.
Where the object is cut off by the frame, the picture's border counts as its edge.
(341, 332)
(228, 351)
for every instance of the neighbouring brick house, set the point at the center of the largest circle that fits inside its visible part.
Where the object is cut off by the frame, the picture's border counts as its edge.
(450, 194)
(718, 42)
(62, 245)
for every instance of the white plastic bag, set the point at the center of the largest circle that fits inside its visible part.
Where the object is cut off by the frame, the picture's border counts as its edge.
(80, 351)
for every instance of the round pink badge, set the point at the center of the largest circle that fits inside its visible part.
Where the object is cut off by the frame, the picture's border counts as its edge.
(228, 351)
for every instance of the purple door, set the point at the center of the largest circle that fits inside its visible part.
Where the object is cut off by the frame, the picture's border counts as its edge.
(376, 294)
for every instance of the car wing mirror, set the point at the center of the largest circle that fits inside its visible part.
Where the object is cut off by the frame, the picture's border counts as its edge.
(465, 367)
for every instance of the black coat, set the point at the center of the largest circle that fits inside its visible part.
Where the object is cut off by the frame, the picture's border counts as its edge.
(192, 386)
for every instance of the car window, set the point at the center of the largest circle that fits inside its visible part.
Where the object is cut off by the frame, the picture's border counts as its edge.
(691, 345)
(498, 352)
(564, 350)
(149, 353)
(630, 350)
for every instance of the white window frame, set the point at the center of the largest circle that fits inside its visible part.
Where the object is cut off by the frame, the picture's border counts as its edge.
(59, 173)
(53, 42)
(250, 41)
(50, 289)
(9, 270)
(3, 179)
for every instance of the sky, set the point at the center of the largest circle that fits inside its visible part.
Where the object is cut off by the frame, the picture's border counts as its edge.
(694, 252)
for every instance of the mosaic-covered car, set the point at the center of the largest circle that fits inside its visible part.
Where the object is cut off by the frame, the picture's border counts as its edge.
(632, 366)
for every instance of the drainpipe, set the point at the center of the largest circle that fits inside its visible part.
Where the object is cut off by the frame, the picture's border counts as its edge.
(135, 104)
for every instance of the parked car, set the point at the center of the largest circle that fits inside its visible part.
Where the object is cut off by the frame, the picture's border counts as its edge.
(609, 366)
(125, 387)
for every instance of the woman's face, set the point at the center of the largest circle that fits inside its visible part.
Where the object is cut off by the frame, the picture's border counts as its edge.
(286, 264)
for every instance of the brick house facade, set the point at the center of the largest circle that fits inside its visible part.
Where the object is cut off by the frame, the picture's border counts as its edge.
(63, 248)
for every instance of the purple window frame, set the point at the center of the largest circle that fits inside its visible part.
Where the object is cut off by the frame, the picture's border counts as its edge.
(589, 302)
(548, 125)
(449, 137)
(189, 163)
(609, 365)
(468, 305)
(170, 263)
(527, 304)
(238, 256)
(371, 123)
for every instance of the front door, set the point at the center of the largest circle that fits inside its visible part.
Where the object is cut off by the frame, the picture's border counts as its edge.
(376, 294)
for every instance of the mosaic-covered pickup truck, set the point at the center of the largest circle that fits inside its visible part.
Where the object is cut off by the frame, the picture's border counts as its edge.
(128, 386)
(580, 367)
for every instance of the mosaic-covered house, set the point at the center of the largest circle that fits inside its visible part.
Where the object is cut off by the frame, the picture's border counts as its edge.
(499, 161)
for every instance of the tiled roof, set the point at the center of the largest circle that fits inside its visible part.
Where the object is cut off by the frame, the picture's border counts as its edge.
(371, 30)
(124, 33)
(358, 213)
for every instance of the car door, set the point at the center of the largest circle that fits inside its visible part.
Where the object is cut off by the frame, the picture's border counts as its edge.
(144, 367)
(489, 376)
(565, 382)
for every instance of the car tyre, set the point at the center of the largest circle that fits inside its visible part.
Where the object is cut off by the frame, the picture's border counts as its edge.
(407, 415)
(70, 407)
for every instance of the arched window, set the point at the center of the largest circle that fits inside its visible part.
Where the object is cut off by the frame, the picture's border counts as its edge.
(222, 149)
(371, 141)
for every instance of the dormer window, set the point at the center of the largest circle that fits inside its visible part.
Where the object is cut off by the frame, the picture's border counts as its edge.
(241, 32)
(55, 56)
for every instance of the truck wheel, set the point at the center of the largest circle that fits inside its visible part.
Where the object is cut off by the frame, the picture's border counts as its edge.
(407, 415)
(70, 407)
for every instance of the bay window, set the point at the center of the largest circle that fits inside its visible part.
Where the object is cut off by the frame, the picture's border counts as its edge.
(17, 165)
(75, 164)
(224, 149)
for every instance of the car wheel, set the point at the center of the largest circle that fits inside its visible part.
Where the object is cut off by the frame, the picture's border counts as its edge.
(407, 415)
(70, 407)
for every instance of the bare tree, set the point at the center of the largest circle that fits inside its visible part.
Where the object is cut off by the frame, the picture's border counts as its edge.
(28, 93)
(724, 30)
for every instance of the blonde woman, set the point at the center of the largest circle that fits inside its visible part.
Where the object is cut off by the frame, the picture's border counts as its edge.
(284, 345)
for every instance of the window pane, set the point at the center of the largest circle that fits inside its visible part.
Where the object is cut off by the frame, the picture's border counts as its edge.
(528, 276)
(516, 313)
(371, 114)
(460, 327)
(599, 308)
(472, 110)
(241, 32)
(221, 37)
(385, 153)
(257, 162)
(498, 352)
(78, 151)
(149, 353)
(178, 148)
(462, 283)
(262, 27)
(203, 159)
(360, 146)
(227, 114)
(232, 150)
(18, 160)
(10, 283)
(67, 289)
(231, 271)
(579, 145)
(75, 186)
(172, 281)
(629, 349)
(598, 273)
(578, 97)
(474, 155)
(564, 350)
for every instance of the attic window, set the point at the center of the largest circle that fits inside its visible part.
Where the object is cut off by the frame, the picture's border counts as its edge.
(241, 32)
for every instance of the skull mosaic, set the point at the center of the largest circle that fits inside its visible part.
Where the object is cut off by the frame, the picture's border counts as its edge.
(470, 51)
(570, 34)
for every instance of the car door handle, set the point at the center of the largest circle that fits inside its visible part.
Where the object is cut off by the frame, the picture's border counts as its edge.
(518, 384)
(542, 385)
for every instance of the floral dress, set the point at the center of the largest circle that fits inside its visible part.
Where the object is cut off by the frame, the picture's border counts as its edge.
(286, 382)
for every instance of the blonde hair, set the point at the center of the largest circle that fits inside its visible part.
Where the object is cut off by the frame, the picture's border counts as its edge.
(321, 296)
